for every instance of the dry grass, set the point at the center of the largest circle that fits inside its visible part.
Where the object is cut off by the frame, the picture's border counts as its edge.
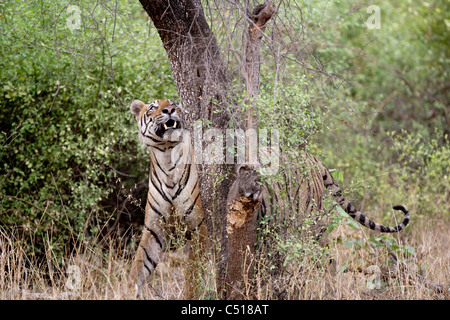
(91, 272)
(102, 273)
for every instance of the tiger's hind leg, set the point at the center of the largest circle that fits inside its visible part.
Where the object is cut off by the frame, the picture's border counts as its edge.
(147, 257)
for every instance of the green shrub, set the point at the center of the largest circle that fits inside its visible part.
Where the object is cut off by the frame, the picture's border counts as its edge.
(66, 130)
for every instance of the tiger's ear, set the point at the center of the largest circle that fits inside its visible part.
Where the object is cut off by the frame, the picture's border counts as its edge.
(136, 107)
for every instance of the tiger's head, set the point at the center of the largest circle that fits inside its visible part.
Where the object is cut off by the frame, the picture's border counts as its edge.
(159, 122)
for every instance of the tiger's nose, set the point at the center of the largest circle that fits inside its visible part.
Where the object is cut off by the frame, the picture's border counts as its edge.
(169, 110)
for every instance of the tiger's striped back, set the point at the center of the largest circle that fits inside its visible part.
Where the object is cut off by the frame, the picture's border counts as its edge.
(304, 185)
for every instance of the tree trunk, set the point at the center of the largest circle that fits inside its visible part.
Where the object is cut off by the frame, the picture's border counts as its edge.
(202, 82)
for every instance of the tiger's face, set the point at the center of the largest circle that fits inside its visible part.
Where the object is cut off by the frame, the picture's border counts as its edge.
(159, 122)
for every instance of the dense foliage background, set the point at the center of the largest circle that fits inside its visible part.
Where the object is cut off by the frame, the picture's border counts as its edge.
(372, 103)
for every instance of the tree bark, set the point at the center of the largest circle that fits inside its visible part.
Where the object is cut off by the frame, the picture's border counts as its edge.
(202, 82)
(194, 57)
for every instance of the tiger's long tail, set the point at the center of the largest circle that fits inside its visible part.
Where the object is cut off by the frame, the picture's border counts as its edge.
(336, 192)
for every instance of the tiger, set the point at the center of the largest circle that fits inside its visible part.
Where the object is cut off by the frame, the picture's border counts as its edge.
(174, 196)
(173, 207)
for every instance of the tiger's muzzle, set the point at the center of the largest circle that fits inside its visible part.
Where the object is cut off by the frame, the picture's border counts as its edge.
(169, 123)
